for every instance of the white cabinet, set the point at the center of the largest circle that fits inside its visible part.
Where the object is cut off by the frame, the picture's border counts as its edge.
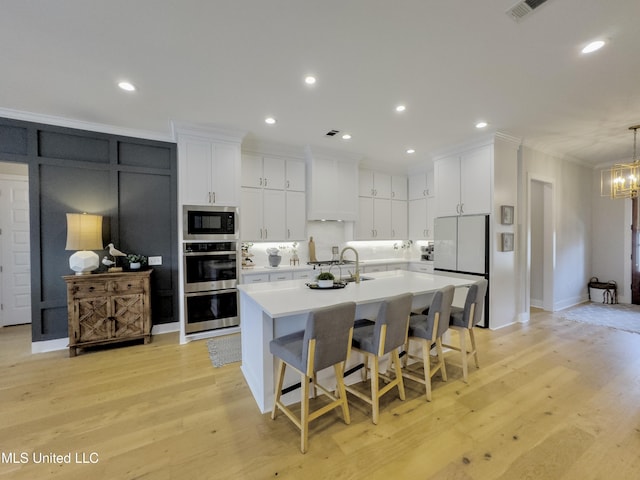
(332, 187)
(273, 203)
(399, 219)
(272, 172)
(421, 185)
(304, 274)
(426, 267)
(374, 184)
(262, 214)
(463, 183)
(280, 276)
(296, 217)
(209, 171)
(374, 220)
(398, 187)
(421, 219)
(255, 277)
(374, 268)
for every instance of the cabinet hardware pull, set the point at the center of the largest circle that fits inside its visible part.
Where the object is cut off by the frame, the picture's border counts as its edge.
(288, 233)
(265, 181)
(461, 208)
(288, 184)
(260, 181)
(266, 233)
(214, 197)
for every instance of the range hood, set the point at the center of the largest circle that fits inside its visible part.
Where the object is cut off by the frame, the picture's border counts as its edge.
(332, 185)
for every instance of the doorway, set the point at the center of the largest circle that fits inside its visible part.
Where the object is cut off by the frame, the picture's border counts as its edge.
(15, 265)
(541, 245)
(635, 252)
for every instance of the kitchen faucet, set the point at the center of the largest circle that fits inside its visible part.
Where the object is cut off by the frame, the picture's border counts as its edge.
(357, 274)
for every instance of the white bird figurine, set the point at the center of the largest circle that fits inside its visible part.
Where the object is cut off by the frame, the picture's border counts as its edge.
(107, 262)
(114, 252)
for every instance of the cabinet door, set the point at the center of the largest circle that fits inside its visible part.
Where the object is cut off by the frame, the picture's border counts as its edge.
(128, 314)
(365, 183)
(251, 214)
(296, 216)
(251, 171)
(418, 219)
(273, 172)
(475, 181)
(430, 218)
(417, 186)
(399, 220)
(226, 170)
(295, 176)
(399, 187)
(447, 185)
(381, 218)
(93, 321)
(196, 170)
(365, 219)
(381, 185)
(346, 174)
(274, 213)
(429, 179)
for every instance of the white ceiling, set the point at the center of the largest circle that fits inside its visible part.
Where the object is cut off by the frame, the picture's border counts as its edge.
(231, 63)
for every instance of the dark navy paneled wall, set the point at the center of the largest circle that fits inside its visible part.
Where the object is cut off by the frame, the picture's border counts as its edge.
(131, 182)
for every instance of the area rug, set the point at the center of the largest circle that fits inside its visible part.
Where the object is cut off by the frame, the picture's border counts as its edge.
(224, 350)
(619, 316)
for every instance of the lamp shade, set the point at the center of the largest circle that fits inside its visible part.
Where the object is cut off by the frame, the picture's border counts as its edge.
(84, 232)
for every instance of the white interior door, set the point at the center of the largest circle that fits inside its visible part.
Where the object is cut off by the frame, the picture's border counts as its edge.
(15, 271)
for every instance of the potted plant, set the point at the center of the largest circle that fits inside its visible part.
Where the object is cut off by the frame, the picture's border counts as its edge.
(325, 280)
(136, 261)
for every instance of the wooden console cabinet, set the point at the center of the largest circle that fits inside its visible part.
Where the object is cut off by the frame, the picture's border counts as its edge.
(107, 308)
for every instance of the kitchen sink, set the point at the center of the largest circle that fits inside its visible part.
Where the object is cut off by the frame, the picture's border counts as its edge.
(351, 279)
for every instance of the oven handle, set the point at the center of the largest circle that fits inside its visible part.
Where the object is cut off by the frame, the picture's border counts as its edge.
(202, 254)
(211, 292)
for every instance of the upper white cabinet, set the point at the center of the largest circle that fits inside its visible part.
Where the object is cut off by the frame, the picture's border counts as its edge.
(332, 187)
(273, 198)
(272, 172)
(209, 170)
(374, 184)
(382, 206)
(463, 183)
(421, 219)
(398, 187)
(421, 185)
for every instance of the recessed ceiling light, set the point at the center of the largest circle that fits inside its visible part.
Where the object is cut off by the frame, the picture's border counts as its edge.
(346, 136)
(270, 120)
(400, 108)
(593, 46)
(129, 87)
(481, 124)
(411, 150)
(310, 80)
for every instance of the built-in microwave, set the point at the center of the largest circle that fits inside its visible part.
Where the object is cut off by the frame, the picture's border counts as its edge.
(204, 222)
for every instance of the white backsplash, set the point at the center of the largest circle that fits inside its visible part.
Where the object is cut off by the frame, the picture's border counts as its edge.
(328, 234)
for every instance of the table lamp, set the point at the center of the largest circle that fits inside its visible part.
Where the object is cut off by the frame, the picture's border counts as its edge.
(84, 233)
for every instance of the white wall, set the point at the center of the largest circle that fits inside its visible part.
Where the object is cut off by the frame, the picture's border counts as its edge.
(537, 244)
(572, 200)
(611, 240)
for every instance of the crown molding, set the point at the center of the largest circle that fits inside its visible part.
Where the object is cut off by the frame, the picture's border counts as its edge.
(206, 131)
(83, 125)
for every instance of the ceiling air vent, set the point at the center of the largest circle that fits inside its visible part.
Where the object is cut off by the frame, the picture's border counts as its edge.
(331, 133)
(524, 8)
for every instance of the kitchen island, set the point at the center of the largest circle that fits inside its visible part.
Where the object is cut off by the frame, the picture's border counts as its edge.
(270, 310)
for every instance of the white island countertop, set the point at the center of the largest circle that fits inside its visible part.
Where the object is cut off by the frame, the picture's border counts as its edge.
(292, 297)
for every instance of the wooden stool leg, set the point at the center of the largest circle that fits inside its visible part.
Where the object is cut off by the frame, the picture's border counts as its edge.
(464, 353)
(426, 360)
(375, 379)
(342, 393)
(304, 414)
(396, 363)
(278, 392)
(472, 336)
(443, 368)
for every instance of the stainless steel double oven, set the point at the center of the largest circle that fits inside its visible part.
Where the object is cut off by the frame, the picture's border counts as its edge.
(210, 269)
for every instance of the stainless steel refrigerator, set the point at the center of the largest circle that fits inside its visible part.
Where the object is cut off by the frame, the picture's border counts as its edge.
(461, 249)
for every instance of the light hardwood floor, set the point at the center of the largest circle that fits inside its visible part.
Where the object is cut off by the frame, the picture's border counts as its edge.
(553, 399)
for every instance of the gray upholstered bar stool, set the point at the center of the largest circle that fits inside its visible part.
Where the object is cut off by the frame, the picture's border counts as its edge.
(464, 319)
(428, 330)
(375, 339)
(325, 342)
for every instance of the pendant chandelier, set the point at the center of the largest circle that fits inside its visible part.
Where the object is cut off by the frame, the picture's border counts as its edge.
(623, 179)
